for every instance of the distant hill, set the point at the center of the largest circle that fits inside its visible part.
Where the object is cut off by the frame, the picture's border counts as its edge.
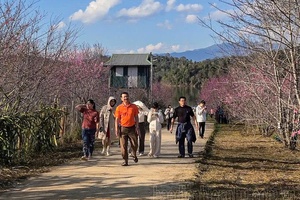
(214, 51)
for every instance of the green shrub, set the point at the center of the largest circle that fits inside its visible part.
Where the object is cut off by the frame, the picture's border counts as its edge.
(28, 134)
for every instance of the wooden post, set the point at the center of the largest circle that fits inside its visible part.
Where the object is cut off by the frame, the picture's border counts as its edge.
(63, 122)
(73, 116)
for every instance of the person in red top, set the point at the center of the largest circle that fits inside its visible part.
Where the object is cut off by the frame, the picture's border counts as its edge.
(89, 125)
(127, 126)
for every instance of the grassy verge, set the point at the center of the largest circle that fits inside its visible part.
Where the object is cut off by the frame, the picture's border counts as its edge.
(240, 166)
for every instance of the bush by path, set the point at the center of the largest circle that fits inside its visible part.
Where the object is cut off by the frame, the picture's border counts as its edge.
(23, 136)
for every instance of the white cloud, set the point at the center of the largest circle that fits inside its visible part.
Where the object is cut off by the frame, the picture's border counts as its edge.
(131, 51)
(95, 10)
(158, 48)
(189, 8)
(175, 47)
(191, 19)
(220, 15)
(60, 25)
(145, 9)
(151, 48)
(166, 24)
(154, 48)
(170, 5)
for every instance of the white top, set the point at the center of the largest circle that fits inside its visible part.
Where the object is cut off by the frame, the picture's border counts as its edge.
(142, 115)
(155, 120)
(201, 113)
(169, 111)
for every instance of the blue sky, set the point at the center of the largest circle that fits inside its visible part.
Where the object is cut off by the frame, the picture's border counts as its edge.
(137, 26)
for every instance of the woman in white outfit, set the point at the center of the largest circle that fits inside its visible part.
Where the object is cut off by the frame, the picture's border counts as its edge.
(107, 125)
(155, 119)
(201, 112)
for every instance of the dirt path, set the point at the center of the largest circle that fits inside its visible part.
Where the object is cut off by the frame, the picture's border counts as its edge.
(103, 177)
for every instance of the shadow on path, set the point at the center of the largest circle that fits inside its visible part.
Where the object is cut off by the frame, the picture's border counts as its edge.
(104, 178)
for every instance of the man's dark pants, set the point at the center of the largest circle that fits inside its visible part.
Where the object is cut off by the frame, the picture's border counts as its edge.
(142, 137)
(181, 145)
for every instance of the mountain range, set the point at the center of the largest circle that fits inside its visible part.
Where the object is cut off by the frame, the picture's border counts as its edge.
(213, 51)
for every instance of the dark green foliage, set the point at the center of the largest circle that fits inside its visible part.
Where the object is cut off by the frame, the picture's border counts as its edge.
(27, 135)
(184, 72)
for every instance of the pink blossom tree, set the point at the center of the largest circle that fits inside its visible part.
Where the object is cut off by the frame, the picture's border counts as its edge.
(162, 93)
(30, 53)
(264, 34)
(83, 75)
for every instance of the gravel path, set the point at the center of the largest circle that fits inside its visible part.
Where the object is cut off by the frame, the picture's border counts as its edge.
(103, 177)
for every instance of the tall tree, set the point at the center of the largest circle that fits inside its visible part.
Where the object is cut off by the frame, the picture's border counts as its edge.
(267, 31)
(29, 55)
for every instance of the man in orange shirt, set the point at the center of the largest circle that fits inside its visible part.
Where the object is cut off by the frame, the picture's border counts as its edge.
(127, 126)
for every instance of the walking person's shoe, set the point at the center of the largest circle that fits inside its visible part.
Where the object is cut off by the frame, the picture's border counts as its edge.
(180, 156)
(136, 160)
(103, 151)
(141, 154)
(191, 155)
(84, 158)
(125, 163)
(131, 155)
(108, 151)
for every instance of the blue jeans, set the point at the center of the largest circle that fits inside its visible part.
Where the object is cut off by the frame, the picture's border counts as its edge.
(88, 137)
(181, 145)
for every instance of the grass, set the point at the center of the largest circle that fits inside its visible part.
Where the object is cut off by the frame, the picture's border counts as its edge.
(244, 166)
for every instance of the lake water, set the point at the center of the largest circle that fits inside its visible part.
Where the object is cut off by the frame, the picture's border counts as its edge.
(192, 95)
